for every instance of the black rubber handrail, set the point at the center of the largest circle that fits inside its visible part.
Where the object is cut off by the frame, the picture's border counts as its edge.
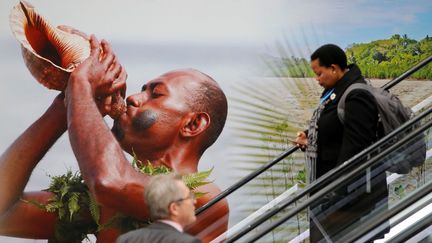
(330, 187)
(384, 216)
(292, 149)
(246, 179)
(333, 174)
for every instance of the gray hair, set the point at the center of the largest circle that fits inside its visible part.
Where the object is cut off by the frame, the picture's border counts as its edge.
(160, 192)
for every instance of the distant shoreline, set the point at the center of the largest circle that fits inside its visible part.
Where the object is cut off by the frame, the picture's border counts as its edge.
(407, 79)
(410, 91)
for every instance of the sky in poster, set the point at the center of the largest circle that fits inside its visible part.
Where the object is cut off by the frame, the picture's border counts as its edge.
(239, 21)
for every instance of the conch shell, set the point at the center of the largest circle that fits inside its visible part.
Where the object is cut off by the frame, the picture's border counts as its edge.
(49, 53)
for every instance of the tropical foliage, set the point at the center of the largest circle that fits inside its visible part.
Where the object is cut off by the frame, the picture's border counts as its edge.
(73, 202)
(391, 57)
(383, 59)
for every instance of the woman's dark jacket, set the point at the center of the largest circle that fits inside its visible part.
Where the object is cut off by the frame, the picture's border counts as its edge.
(339, 142)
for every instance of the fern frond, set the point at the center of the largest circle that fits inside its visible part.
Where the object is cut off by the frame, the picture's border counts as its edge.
(73, 206)
(195, 180)
(200, 194)
(93, 208)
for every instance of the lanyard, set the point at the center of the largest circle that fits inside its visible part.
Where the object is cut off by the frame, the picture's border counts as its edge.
(326, 95)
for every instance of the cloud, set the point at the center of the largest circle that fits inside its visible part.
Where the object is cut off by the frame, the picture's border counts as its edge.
(408, 18)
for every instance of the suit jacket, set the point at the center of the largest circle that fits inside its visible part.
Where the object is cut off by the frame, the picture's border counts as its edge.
(157, 233)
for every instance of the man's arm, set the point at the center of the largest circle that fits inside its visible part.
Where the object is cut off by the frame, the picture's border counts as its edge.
(25, 220)
(19, 160)
(17, 164)
(105, 169)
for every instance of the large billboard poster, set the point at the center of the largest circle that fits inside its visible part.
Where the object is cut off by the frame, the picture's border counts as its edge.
(257, 51)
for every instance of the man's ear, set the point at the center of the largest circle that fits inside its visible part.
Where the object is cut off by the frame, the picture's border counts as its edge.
(173, 209)
(195, 123)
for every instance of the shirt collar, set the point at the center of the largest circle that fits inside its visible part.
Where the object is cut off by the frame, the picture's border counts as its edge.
(174, 224)
(351, 76)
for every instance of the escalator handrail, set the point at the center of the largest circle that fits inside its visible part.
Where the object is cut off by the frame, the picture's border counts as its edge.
(328, 188)
(246, 179)
(384, 216)
(338, 171)
(413, 230)
(292, 149)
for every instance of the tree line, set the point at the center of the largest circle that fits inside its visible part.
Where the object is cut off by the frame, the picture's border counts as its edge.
(390, 58)
(383, 59)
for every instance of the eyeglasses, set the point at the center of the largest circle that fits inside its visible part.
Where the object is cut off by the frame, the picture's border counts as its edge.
(190, 196)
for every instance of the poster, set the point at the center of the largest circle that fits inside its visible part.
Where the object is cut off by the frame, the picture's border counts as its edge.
(228, 40)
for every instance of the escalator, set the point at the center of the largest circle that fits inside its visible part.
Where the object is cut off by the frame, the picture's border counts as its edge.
(269, 223)
(270, 226)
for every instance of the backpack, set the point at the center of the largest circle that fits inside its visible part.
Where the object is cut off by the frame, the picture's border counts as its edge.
(392, 114)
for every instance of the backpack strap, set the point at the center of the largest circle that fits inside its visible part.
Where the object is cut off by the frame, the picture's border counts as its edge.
(341, 103)
(341, 116)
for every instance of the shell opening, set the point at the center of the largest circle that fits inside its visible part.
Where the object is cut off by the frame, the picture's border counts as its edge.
(38, 36)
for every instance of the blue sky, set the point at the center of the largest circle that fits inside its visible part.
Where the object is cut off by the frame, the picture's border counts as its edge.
(247, 22)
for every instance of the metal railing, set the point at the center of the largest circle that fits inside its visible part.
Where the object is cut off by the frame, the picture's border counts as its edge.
(245, 180)
(292, 149)
(331, 186)
(385, 215)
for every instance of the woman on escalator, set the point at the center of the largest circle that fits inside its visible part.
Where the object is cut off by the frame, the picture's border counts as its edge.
(328, 143)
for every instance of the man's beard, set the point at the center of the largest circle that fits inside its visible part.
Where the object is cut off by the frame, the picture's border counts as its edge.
(117, 131)
(140, 123)
(144, 120)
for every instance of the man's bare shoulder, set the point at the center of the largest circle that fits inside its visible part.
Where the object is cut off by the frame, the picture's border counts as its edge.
(213, 221)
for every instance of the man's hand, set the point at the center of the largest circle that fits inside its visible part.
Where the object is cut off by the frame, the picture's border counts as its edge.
(101, 70)
(103, 73)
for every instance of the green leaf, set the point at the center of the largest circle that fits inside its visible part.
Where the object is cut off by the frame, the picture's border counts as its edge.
(73, 205)
(195, 180)
(64, 189)
(53, 206)
(35, 203)
(93, 207)
(72, 196)
(200, 194)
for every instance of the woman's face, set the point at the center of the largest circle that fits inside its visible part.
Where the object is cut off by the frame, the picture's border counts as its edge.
(326, 76)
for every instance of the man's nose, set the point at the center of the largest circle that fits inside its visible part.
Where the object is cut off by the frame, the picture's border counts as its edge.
(135, 100)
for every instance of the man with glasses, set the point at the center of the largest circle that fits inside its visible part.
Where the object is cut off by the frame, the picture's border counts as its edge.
(171, 208)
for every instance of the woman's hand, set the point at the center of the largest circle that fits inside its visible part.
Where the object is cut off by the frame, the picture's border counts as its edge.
(301, 140)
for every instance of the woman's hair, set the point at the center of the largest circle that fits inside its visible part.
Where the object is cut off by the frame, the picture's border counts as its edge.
(161, 191)
(330, 54)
